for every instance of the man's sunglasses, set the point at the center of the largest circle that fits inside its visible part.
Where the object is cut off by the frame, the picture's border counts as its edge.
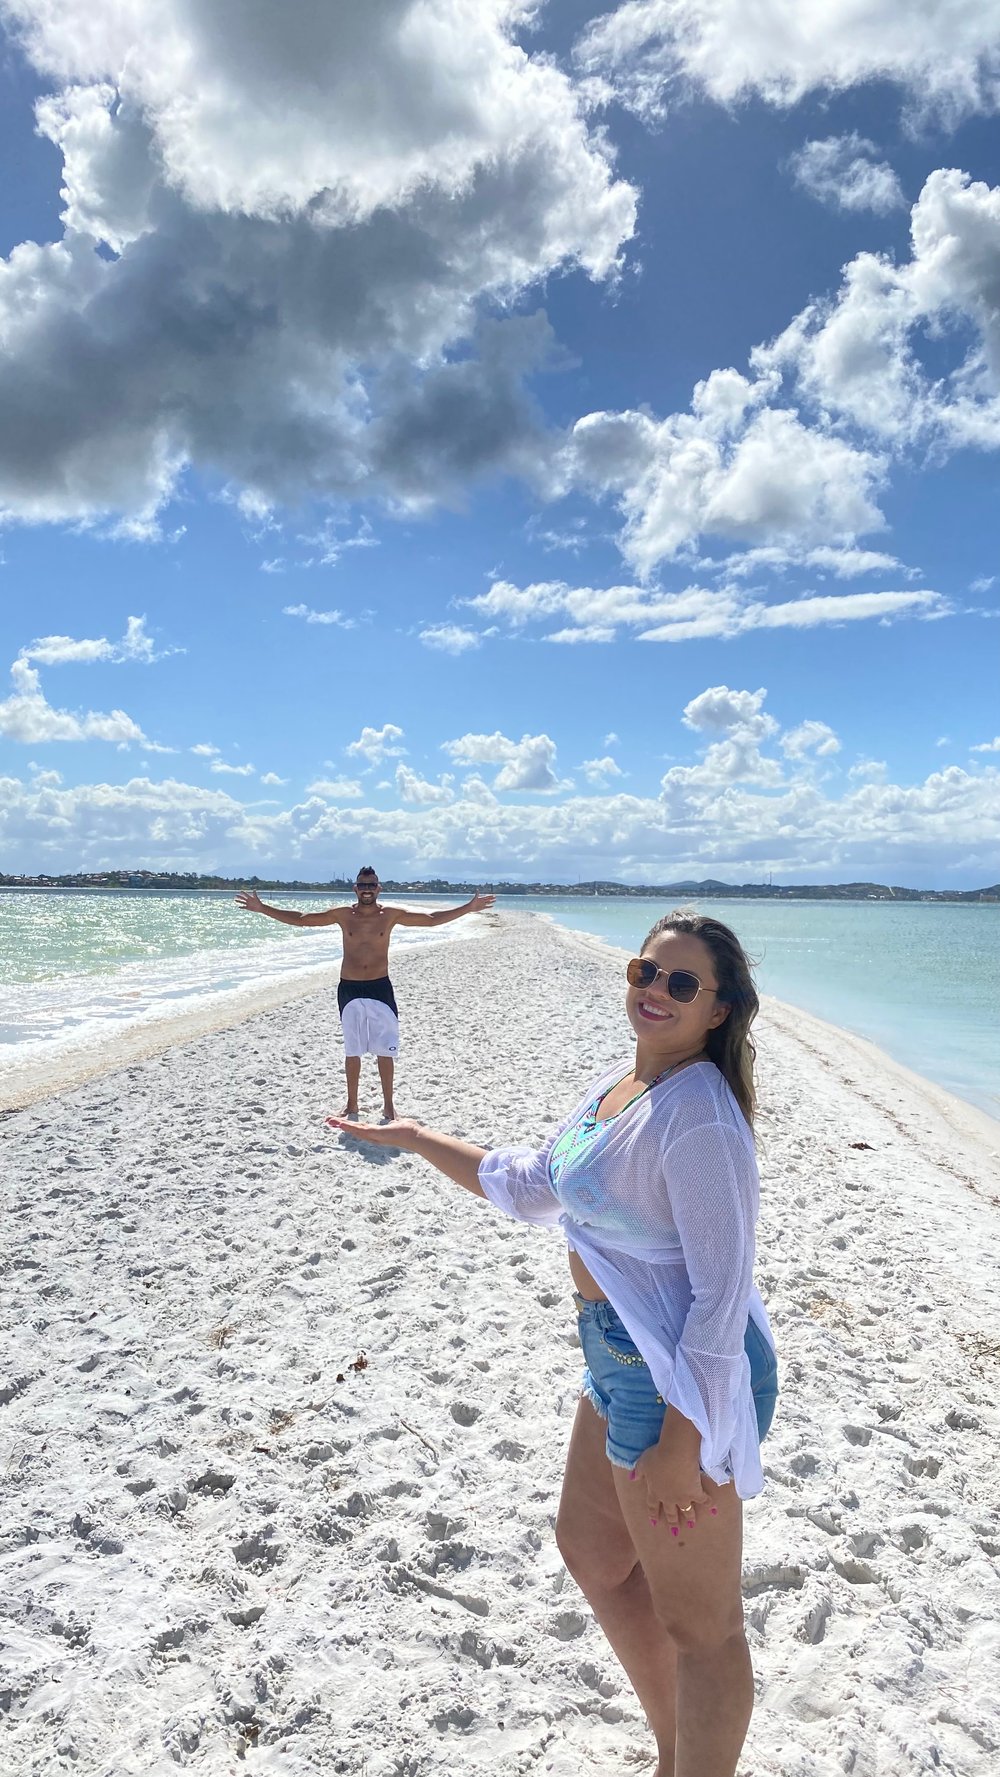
(681, 985)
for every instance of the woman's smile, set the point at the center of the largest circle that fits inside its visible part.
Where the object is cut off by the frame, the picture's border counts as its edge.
(655, 1014)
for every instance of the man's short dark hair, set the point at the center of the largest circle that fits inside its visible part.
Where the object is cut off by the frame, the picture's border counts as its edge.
(367, 871)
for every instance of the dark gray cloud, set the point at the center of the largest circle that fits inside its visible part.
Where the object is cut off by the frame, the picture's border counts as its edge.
(292, 306)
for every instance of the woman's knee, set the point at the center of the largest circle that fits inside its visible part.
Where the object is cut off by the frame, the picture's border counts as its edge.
(695, 1626)
(593, 1561)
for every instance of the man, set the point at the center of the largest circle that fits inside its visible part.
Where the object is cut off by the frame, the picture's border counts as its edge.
(368, 1012)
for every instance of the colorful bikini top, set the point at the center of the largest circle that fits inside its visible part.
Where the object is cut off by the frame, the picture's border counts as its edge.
(572, 1143)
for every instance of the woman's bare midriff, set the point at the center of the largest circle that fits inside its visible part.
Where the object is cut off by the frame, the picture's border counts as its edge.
(583, 1281)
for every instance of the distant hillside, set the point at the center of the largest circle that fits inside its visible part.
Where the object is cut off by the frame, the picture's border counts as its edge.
(165, 881)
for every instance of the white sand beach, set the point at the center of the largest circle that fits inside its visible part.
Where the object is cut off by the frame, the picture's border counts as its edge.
(282, 1420)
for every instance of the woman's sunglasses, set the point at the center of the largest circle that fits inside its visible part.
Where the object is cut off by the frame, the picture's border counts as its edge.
(681, 985)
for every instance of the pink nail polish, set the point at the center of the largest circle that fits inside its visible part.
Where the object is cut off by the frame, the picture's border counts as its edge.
(631, 1474)
(690, 1523)
(653, 1522)
(714, 1512)
(674, 1530)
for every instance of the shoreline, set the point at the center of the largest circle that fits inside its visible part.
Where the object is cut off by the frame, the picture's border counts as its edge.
(286, 1417)
(967, 1119)
(62, 1067)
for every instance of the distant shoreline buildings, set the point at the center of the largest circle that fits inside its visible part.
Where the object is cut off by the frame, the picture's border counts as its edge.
(171, 881)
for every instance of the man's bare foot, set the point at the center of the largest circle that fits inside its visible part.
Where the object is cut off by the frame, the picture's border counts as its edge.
(350, 1110)
(389, 1114)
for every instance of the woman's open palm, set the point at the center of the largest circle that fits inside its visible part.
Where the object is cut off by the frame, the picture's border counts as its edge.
(383, 1135)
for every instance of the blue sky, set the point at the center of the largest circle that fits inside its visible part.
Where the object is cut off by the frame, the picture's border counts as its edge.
(510, 443)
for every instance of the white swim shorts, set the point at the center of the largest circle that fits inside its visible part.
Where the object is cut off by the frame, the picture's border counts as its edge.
(368, 1016)
(370, 1028)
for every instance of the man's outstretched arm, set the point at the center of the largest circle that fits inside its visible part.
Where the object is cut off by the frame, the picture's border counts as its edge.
(251, 902)
(403, 917)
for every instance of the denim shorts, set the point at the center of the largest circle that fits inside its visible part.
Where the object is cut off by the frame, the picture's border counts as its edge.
(619, 1383)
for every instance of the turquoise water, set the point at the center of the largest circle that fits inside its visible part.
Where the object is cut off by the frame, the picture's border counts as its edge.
(919, 979)
(78, 964)
(922, 980)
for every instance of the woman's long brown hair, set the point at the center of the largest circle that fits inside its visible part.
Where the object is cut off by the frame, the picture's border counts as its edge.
(730, 1044)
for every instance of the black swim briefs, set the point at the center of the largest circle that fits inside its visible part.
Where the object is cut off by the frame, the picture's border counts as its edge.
(379, 989)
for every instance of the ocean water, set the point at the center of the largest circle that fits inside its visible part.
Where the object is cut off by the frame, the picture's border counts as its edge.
(921, 980)
(79, 965)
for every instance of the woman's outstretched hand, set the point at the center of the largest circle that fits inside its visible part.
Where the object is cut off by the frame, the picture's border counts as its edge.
(458, 1160)
(398, 1134)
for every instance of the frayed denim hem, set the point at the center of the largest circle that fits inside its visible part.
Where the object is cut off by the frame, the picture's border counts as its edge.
(589, 1393)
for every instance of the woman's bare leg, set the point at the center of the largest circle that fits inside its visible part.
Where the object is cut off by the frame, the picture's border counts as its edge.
(598, 1550)
(694, 1586)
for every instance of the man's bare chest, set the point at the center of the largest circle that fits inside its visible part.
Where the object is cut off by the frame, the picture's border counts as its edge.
(365, 933)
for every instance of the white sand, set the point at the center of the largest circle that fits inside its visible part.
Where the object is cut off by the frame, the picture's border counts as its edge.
(215, 1556)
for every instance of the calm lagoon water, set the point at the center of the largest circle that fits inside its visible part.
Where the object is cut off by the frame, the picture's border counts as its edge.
(921, 980)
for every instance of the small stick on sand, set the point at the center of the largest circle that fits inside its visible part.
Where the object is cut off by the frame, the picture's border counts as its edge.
(419, 1434)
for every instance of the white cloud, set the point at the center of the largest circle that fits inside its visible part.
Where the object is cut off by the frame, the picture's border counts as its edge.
(328, 617)
(590, 632)
(315, 210)
(874, 771)
(600, 771)
(697, 613)
(987, 746)
(732, 467)
(272, 780)
(844, 564)
(415, 789)
(526, 764)
(26, 716)
(62, 650)
(611, 740)
(847, 607)
(205, 750)
(810, 737)
(718, 710)
(846, 171)
(376, 744)
(943, 53)
(739, 810)
(450, 638)
(220, 766)
(739, 716)
(336, 789)
(329, 545)
(860, 356)
(983, 583)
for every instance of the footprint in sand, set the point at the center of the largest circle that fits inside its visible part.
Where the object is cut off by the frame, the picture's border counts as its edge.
(923, 1465)
(782, 1576)
(257, 1553)
(439, 1526)
(813, 1625)
(464, 1414)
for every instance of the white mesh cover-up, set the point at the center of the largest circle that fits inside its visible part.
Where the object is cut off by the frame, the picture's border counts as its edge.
(663, 1215)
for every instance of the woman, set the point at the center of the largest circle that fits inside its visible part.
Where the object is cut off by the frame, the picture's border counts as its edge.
(654, 1182)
